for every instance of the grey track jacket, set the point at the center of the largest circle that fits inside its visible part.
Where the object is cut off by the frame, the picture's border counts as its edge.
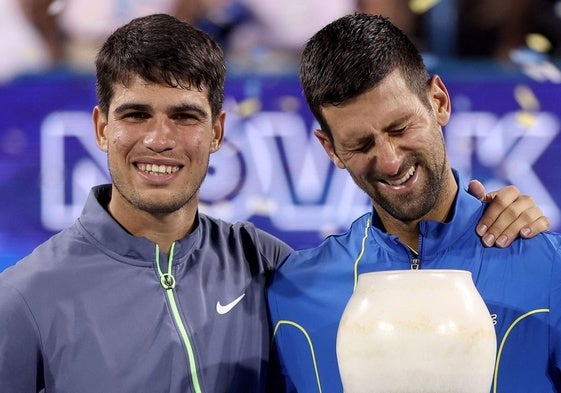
(92, 310)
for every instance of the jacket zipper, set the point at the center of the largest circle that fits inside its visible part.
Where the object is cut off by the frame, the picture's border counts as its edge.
(415, 263)
(167, 280)
(415, 255)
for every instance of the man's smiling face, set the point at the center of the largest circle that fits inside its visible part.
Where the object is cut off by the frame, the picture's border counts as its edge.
(158, 141)
(392, 146)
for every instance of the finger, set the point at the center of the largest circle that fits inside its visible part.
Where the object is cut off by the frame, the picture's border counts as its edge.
(512, 232)
(476, 188)
(540, 225)
(506, 199)
(509, 225)
(500, 228)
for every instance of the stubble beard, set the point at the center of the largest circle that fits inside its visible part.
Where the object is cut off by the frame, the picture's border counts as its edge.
(174, 202)
(408, 207)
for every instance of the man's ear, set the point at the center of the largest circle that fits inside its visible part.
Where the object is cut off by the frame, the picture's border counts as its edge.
(100, 127)
(328, 147)
(440, 100)
(217, 132)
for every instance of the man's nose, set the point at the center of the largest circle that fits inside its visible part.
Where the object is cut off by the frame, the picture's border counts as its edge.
(388, 156)
(161, 136)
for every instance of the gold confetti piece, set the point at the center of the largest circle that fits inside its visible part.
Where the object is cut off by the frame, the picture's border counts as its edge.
(538, 42)
(526, 98)
(526, 119)
(248, 107)
(422, 6)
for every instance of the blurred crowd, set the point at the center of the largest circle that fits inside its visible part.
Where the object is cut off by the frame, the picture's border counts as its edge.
(267, 35)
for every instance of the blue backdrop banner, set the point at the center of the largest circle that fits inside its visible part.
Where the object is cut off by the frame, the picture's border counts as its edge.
(271, 170)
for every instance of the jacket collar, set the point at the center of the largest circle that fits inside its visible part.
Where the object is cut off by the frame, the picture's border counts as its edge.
(108, 235)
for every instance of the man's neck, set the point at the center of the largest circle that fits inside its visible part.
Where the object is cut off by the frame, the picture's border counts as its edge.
(162, 229)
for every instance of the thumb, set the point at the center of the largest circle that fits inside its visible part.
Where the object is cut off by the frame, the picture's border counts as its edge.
(477, 189)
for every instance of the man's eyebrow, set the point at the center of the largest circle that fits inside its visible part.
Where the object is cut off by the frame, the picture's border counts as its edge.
(174, 109)
(132, 107)
(190, 108)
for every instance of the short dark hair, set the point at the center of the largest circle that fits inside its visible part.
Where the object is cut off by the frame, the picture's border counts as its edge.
(161, 49)
(352, 55)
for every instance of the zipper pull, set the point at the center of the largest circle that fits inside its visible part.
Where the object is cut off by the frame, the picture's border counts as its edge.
(415, 263)
(167, 280)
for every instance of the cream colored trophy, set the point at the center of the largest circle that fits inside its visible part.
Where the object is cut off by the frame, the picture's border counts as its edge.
(416, 331)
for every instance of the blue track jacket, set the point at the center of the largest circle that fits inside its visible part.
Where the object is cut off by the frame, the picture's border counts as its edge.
(521, 286)
(91, 310)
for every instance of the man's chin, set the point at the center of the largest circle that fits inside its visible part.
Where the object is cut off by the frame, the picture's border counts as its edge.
(156, 208)
(404, 209)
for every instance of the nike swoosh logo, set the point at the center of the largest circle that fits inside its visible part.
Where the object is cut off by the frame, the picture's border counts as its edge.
(223, 309)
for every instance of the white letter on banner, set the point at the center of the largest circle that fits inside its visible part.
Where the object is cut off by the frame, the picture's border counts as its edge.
(293, 181)
(62, 132)
(508, 148)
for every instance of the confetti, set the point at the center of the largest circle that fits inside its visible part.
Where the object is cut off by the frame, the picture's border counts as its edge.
(248, 107)
(526, 98)
(542, 71)
(526, 119)
(538, 42)
(422, 6)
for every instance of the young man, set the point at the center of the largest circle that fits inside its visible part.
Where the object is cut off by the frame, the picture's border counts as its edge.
(144, 293)
(381, 118)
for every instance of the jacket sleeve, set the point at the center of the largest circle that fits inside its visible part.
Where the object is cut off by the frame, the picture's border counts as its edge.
(21, 369)
(272, 248)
